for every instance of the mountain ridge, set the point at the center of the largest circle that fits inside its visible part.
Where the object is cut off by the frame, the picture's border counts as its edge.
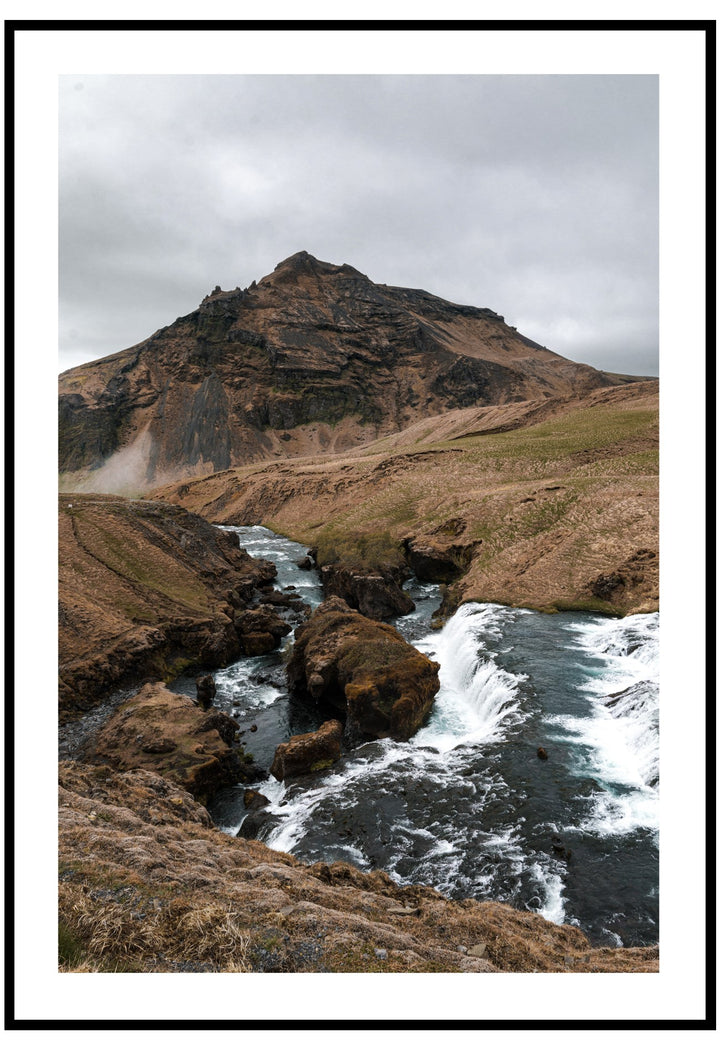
(313, 357)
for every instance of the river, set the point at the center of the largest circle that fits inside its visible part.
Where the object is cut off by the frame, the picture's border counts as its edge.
(467, 806)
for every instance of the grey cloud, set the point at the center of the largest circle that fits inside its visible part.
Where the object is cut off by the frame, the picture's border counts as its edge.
(536, 196)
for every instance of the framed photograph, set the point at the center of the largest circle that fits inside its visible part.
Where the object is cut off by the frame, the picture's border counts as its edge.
(384, 357)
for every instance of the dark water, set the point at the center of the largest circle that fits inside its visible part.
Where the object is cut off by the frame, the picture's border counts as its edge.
(467, 806)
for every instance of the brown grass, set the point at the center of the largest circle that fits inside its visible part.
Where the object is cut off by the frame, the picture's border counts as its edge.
(147, 884)
(569, 495)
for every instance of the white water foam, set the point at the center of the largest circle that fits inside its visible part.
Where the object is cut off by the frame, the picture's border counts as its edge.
(297, 807)
(550, 904)
(239, 682)
(235, 682)
(477, 700)
(477, 704)
(620, 732)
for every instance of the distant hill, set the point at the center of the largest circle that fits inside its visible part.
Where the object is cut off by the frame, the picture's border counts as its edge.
(313, 358)
(549, 504)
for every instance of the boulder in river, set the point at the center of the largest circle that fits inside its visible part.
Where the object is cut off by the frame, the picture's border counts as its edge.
(260, 629)
(206, 690)
(313, 751)
(375, 593)
(256, 821)
(364, 669)
(253, 800)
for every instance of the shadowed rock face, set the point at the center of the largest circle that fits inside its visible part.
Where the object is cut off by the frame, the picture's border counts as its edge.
(314, 357)
(385, 686)
(434, 559)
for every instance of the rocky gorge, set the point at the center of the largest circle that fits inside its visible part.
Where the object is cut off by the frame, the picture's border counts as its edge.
(131, 844)
(394, 435)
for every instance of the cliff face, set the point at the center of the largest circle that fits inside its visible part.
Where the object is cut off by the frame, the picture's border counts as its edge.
(314, 357)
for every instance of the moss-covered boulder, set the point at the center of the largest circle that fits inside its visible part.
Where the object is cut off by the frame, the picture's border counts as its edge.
(169, 734)
(365, 669)
(313, 751)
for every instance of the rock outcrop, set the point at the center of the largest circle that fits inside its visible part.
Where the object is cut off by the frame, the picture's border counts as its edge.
(169, 734)
(314, 357)
(147, 590)
(375, 593)
(313, 751)
(365, 669)
(435, 558)
(260, 629)
(206, 690)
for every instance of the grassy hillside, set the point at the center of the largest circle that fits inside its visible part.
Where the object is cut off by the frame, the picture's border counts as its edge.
(557, 513)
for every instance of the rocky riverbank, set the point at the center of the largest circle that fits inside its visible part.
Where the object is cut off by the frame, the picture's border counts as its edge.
(170, 734)
(148, 589)
(147, 884)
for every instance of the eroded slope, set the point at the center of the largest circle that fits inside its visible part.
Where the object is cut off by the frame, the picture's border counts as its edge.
(145, 589)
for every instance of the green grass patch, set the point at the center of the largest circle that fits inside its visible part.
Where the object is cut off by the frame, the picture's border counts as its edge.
(357, 548)
(71, 949)
(559, 438)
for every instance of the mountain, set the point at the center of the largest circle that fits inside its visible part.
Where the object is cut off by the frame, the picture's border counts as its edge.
(314, 357)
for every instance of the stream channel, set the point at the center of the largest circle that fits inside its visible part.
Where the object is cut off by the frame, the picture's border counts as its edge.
(466, 805)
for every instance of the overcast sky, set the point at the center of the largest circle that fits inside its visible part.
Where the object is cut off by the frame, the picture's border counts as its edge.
(533, 195)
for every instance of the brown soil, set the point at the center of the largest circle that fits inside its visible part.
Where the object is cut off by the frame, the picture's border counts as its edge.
(147, 884)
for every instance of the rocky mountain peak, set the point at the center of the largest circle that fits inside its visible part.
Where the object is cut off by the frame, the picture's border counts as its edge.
(301, 261)
(303, 264)
(314, 357)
